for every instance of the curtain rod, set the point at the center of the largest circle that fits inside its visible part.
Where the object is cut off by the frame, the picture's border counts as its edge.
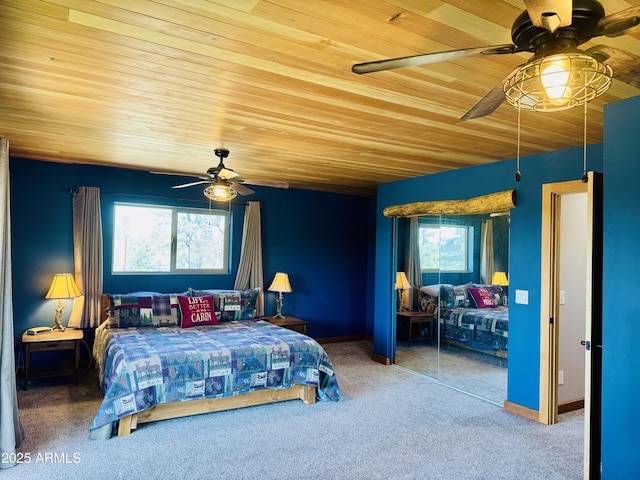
(75, 190)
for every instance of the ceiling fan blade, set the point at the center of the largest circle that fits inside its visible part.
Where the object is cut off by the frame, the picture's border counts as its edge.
(625, 65)
(263, 183)
(550, 14)
(619, 23)
(427, 58)
(184, 185)
(240, 189)
(180, 174)
(491, 101)
(227, 173)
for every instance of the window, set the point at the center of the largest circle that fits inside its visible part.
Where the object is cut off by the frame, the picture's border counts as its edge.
(157, 239)
(446, 248)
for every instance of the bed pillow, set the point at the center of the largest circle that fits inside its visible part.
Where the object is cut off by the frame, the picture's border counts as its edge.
(231, 304)
(498, 293)
(452, 297)
(482, 296)
(197, 311)
(143, 311)
(429, 304)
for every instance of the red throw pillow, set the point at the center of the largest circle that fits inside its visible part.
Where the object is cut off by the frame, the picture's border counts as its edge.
(197, 311)
(482, 296)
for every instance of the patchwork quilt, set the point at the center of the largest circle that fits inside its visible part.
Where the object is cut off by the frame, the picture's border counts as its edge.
(480, 328)
(142, 367)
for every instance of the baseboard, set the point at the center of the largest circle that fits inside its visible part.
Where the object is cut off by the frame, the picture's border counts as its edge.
(350, 338)
(380, 359)
(570, 406)
(522, 411)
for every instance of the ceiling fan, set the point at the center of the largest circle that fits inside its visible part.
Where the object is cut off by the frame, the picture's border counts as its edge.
(550, 29)
(223, 183)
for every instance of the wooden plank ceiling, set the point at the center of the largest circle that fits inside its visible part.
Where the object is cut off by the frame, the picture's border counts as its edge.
(157, 85)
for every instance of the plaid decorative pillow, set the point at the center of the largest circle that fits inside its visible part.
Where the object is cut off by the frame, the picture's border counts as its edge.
(143, 311)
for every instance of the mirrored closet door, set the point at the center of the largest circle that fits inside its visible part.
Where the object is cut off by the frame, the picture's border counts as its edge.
(452, 290)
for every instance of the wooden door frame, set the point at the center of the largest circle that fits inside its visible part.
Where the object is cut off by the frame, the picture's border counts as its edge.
(551, 205)
(549, 305)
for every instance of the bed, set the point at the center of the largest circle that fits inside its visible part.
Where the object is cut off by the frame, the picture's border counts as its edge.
(153, 364)
(471, 316)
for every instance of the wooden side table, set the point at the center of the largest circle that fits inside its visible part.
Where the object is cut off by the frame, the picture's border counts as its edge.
(292, 323)
(44, 342)
(412, 317)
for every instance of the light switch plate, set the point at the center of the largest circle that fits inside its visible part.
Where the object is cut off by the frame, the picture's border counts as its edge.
(522, 297)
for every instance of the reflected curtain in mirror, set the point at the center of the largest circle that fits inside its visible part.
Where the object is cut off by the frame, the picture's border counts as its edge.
(486, 252)
(412, 264)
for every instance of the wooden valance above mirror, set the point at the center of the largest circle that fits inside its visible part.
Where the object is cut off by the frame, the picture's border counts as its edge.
(492, 202)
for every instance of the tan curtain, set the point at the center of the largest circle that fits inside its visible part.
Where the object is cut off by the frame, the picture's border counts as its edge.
(412, 264)
(11, 431)
(87, 257)
(250, 274)
(486, 252)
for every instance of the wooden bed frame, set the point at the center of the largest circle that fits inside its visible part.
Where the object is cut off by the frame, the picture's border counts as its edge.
(165, 411)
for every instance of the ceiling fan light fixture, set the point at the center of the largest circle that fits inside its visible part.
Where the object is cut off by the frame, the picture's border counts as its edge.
(220, 192)
(557, 82)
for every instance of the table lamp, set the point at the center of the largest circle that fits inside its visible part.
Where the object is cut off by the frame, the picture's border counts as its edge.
(63, 286)
(402, 284)
(280, 284)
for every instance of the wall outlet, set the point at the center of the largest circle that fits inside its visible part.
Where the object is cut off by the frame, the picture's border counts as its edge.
(522, 297)
(560, 377)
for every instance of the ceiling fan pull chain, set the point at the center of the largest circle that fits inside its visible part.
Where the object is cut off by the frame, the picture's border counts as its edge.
(585, 177)
(518, 175)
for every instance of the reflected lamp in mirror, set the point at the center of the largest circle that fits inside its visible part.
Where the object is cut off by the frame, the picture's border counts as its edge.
(280, 284)
(63, 286)
(402, 284)
(500, 278)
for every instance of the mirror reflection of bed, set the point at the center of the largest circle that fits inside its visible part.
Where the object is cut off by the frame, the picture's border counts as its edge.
(464, 268)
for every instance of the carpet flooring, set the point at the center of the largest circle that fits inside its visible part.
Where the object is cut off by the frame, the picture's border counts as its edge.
(472, 372)
(389, 424)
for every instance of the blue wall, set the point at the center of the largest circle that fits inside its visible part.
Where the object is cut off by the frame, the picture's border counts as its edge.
(320, 239)
(619, 160)
(621, 274)
(525, 245)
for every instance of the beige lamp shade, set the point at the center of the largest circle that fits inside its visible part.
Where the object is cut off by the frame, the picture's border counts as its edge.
(280, 283)
(63, 286)
(500, 278)
(402, 283)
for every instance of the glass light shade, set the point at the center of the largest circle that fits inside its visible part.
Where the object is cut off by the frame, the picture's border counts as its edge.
(500, 278)
(558, 82)
(220, 192)
(280, 283)
(402, 283)
(63, 286)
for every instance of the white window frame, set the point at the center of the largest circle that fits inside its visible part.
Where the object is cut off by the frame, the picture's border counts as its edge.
(468, 246)
(173, 243)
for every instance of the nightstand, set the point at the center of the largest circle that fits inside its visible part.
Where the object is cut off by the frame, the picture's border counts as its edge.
(412, 317)
(292, 323)
(45, 342)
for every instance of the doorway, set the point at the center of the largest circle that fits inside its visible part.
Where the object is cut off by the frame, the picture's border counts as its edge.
(550, 311)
